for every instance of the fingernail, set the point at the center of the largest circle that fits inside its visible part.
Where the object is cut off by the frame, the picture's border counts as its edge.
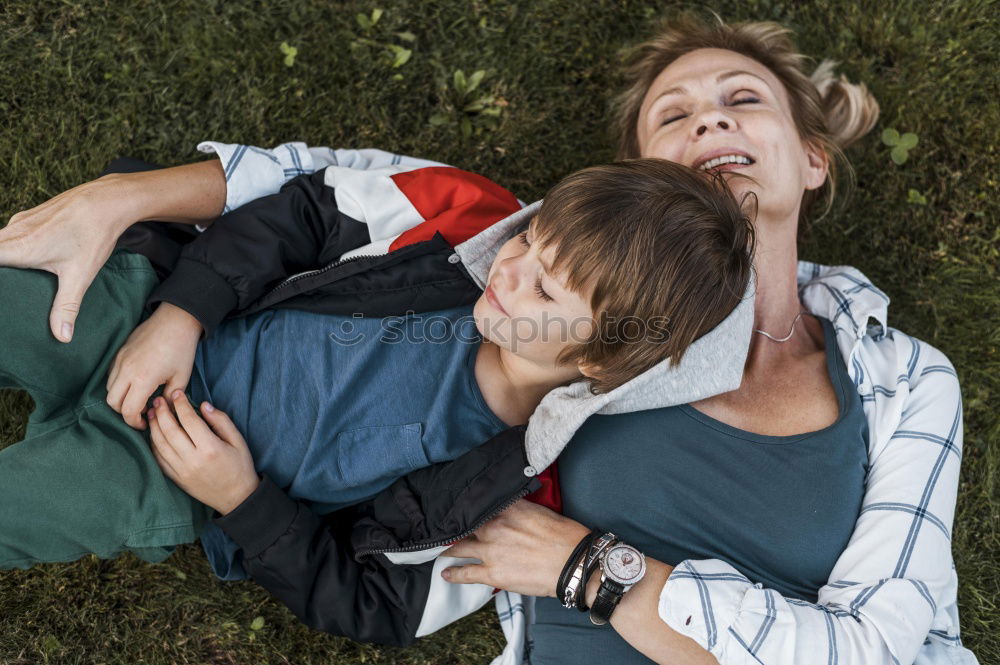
(151, 414)
(209, 407)
(177, 394)
(158, 401)
(67, 331)
(446, 573)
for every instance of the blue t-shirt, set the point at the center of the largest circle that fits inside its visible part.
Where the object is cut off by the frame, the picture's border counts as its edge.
(679, 485)
(335, 408)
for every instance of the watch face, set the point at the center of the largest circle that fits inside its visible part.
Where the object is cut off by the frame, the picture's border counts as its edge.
(624, 564)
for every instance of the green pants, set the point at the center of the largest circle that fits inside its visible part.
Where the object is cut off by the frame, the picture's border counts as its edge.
(82, 481)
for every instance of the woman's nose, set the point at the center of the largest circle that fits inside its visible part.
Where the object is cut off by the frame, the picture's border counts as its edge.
(713, 121)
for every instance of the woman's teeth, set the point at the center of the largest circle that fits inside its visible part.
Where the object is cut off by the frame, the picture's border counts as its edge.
(725, 159)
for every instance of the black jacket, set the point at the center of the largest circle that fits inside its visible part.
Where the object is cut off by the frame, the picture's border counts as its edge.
(335, 572)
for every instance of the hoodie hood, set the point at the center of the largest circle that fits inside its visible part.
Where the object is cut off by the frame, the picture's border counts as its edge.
(713, 364)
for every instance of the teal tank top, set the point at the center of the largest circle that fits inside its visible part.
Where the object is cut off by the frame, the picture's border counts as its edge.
(679, 485)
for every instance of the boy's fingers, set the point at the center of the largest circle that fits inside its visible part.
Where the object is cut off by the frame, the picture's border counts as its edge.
(112, 375)
(168, 470)
(161, 447)
(171, 429)
(116, 395)
(221, 424)
(190, 420)
(134, 404)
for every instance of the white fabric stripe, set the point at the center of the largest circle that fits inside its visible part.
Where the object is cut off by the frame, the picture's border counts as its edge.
(376, 248)
(447, 602)
(375, 201)
(412, 558)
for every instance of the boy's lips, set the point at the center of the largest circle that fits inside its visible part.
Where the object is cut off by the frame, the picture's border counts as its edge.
(491, 297)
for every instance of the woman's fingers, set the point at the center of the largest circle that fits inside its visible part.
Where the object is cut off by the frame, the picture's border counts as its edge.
(471, 573)
(172, 431)
(467, 548)
(73, 283)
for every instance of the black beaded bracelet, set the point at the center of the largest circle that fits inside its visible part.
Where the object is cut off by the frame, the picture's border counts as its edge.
(572, 563)
(597, 548)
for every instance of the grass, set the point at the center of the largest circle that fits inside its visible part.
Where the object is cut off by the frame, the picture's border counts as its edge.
(82, 82)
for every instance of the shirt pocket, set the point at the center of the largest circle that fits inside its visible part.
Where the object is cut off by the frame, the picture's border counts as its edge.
(360, 463)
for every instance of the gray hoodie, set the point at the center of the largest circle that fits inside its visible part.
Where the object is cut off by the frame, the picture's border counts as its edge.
(713, 364)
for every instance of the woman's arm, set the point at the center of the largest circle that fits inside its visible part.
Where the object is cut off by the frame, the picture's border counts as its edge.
(884, 592)
(523, 550)
(73, 234)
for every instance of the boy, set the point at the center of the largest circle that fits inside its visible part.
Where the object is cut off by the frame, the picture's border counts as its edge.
(612, 247)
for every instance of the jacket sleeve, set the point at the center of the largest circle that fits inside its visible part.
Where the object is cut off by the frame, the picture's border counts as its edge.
(252, 172)
(249, 250)
(328, 570)
(310, 568)
(885, 589)
(318, 219)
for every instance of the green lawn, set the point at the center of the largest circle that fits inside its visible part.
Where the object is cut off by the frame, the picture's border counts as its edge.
(82, 82)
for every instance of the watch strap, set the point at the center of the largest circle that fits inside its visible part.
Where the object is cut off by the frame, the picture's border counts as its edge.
(608, 596)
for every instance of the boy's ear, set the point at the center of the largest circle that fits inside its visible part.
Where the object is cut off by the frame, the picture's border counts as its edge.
(588, 370)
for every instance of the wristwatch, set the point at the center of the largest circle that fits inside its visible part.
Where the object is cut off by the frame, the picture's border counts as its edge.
(622, 567)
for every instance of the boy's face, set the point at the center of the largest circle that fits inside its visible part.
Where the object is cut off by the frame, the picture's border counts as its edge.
(528, 310)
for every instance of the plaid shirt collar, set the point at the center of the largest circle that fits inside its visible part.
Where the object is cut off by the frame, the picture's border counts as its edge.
(846, 297)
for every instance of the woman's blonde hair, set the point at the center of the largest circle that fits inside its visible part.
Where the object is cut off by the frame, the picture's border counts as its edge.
(829, 111)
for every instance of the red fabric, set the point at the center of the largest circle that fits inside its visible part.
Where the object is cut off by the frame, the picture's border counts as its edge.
(457, 203)
(548, 494)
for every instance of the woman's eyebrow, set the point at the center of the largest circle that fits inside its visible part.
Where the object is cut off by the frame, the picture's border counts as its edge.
(680, 90)
(739, 72)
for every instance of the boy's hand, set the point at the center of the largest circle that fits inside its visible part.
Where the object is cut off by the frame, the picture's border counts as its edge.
(159, 351)
(211, 462)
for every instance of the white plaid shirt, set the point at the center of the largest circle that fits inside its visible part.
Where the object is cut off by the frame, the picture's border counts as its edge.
(891, 597)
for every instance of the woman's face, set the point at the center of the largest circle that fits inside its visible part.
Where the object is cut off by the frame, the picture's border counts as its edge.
(527, 309)
(713, 103)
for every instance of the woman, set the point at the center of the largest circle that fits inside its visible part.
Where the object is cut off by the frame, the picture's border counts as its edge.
(699, 93)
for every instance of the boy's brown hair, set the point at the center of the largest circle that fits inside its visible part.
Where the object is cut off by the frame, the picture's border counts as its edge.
(667, 251)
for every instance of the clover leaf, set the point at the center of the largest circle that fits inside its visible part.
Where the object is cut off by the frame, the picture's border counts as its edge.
(290, 53)
(916, 198)
(901, 144)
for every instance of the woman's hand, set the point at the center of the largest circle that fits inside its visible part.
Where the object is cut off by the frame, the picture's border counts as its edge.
(522, 550)
(71, 235)
(209, 459)
(159, 351)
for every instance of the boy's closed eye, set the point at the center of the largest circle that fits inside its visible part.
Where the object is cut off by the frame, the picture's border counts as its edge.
(538, 281)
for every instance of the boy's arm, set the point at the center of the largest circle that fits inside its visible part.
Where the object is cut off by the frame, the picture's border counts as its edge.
(315, 219)
(326, 571)
(292, 553)
(249, 249)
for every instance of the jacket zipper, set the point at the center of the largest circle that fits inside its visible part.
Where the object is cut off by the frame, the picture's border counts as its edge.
(318, 271)
(331, 266)
(465, 534)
